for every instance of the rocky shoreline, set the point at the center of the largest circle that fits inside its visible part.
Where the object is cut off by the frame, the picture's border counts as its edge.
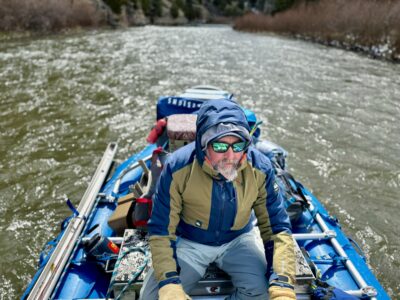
(364, 26)
(383, 51)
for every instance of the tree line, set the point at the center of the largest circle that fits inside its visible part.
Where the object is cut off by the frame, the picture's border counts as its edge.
(59, 14)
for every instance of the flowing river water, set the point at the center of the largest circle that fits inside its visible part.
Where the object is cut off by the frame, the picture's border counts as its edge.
(64, 97)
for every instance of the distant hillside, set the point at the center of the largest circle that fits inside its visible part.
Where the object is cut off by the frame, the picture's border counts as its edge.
(46, 15)
(174, 12)
(49, 14)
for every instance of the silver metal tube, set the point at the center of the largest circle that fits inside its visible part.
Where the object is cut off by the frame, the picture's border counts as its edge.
(117, 184)
(313, 236)
(367, 291)
(131, 167)
(44, 286)
(352, 269)
(115, 240)
(134, 165)
(350, 266)
(356, 293)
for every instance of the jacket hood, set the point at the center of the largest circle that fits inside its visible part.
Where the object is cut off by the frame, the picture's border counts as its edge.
(214, 112)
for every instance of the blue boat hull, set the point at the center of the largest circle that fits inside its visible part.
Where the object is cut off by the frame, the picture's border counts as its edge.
(85, 278)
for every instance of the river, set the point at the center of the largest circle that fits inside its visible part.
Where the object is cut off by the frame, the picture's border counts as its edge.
(64, 97)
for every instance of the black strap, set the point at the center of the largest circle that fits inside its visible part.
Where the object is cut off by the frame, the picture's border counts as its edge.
(286, 178)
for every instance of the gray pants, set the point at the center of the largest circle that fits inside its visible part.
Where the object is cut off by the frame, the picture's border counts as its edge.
(243, 259)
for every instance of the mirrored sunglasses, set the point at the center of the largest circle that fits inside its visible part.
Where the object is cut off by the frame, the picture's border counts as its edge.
(222, 147)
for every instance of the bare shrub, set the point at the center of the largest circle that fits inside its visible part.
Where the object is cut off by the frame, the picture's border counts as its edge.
(352, 23)
(47, 14)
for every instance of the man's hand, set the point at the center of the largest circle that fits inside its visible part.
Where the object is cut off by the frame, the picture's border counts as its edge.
(281, 293)
(172, 291)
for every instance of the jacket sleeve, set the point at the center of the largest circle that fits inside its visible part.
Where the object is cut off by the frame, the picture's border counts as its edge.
(275, 228)
(167, 205)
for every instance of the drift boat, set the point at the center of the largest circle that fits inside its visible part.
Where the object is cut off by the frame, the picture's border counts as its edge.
(102, 250)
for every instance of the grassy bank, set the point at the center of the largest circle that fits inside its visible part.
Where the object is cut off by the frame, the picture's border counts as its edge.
(371, 26)
(47, 15)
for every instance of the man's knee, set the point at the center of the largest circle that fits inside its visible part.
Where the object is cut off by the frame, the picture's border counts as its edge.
(254, 286)
(189, 276)
(249, 286)
(148, 295)
(250, 292)
(254, 291)
(149, 289)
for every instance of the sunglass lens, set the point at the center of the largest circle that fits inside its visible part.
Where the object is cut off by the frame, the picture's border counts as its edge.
(220, 147)
(238, 147)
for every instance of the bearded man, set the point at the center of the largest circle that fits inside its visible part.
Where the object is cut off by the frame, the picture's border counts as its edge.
(203, 213)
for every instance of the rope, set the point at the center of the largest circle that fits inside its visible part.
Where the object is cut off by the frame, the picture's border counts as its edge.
(135, 276)
(357, 246)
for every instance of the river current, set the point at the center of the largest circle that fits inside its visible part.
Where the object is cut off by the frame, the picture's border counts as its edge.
(64, 97)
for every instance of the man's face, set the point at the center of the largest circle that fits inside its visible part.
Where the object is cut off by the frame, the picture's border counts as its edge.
(225, 163)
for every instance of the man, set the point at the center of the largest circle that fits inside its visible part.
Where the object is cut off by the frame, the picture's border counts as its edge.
(205, 196)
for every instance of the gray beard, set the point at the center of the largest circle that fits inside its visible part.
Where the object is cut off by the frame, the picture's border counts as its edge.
(229, 173)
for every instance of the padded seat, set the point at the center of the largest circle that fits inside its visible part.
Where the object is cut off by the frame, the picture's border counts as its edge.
(181, 130)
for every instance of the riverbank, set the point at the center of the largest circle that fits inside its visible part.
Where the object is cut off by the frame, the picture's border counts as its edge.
(367, 26)
(50, 15)
(60, 15)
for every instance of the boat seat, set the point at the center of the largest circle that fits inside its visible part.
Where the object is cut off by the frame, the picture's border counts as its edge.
(214, 282)
(181, 130)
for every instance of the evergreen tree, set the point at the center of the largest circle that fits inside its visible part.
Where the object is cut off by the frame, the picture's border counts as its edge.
(189, 10)
(283, 4)
(157, 8)
(116, 5)
(174, 11)
(146, 7)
